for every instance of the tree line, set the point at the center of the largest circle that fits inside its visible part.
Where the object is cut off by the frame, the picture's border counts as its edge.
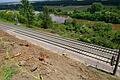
(96, 12)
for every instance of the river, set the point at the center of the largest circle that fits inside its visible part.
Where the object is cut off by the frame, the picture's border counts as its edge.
(58, 19)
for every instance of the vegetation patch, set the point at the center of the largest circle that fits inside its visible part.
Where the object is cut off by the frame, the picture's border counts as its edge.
(6, 72)
(95, 12)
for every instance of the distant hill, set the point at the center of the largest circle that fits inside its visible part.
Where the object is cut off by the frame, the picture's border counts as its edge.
(39, 4)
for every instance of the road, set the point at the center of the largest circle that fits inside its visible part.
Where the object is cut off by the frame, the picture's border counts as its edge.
(92, 55)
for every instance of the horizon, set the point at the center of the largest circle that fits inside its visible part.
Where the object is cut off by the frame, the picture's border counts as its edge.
(3, 1)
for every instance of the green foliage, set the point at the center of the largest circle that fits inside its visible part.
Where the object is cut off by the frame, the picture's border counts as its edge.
(101, 26)
(95, 7)
(38, 20)
(58, 28)
(7, 72)
(26, 10)
(47, 22)
(8, 15)
(105, 15)
(21, 19)
(116, 38)
(99, 33)
(96, 12)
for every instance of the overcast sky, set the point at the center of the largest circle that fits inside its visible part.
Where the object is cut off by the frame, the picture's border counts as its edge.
(17, 0)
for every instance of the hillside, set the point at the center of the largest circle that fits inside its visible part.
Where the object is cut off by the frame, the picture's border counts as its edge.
(21, 60)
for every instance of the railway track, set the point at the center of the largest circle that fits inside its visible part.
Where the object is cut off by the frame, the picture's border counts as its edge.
(97, 52)
(96, 47)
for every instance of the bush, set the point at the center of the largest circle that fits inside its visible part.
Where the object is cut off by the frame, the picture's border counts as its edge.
(107, 16)
(21, 19)
(7, 15)
(96, 7)
(98, 26)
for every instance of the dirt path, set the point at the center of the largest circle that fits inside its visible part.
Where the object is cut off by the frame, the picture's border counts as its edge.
(32, 62)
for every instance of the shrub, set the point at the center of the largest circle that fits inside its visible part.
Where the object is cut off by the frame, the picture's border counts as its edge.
(96, 7)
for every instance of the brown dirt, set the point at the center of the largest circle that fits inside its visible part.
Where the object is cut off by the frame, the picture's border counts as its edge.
(32, 61)
(116, 26)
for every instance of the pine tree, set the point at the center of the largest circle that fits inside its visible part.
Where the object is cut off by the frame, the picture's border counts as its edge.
(47, 22)
(26, 10)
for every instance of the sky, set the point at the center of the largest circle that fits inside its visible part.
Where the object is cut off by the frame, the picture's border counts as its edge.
(17, 0)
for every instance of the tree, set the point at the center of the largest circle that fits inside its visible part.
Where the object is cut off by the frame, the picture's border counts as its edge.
(47, 22)
(118, 7)
(26, 10)
(96, 7)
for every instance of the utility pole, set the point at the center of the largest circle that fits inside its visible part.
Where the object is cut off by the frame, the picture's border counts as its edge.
(117, 63)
